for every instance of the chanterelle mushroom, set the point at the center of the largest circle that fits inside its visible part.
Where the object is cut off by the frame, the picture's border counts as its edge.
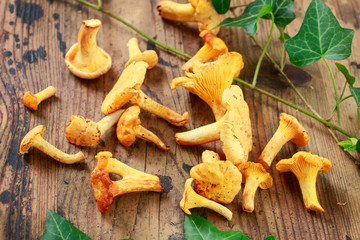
(289, 130)
(209, 80)
(219, 180)
(34, 139)
(135, 54)
(129, 128)
(208, 156)
(132, 180)
(255, 176)
(85, 59)
(84, 132)
(306, 166)
(212, 49)
(33, 100)
(193, 200)
(200, 11)
(239, 126)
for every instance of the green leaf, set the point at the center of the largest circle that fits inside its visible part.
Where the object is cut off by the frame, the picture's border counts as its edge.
(271, 237)
(286, 37)
(358, 146)
(350, 78)
(282, 10)
(221, 6)
(356, 94)
(58, 228)
(320, 35)
(252, 13)
(198, 228)
(349, 144)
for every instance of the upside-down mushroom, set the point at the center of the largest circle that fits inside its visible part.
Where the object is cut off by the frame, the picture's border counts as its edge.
(219, 181)
(212, 49)
(84, 132)
(132, 180)
(255, 176)
(235, 132)
(193, 200)
(200, 11)
(209, 80)
(306, 166)
(289, 130)
(129, 128)
(34, 139)
(32, 101)
(237, 116)
(85, 59)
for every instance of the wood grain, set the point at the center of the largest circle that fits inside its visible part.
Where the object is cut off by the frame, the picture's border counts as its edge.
(35, 34)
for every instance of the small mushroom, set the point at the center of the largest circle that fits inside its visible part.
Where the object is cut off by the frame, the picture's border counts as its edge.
(193, 200)
(84, 132)
(219, 181)
(32, 101)
(135, 54)
(209, 80)
(132, 180)
(149, 105)
(306, 166)
(289, 130)
(200, 11)
(255, 176)
(210, 156)
(212, 49)
(34, 139)
(85, 59)
(129, 128)
(237, 116)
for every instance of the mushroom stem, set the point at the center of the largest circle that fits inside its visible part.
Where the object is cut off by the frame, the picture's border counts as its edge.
(201, 135)
(45, 94)
(308, 190)
(133, 47)
(159, 110)
(176, 11)
(87, 39)
(40, 143)
(147, 135)
(107, 122)
(251, 187)
(272, 148)
(135, 185)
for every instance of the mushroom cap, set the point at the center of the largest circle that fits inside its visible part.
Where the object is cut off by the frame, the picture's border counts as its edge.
(292, 127)
(96, 62)
(127, 87)
(302, 164)
(102, 184)
(209, 80)
(210, 156)
(82, 131)
(218, 181)
(28, 139)
(148, 56)
(127, 126)
(235, 132)
(257, 171)
(30, 101)
(206, 15)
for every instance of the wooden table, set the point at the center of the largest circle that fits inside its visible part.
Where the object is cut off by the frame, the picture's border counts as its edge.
(35, 36)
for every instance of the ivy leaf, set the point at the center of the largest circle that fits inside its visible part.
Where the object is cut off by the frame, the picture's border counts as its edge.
(358, 146)
(349, 144)
(58, 228)
(350, 78)
(286, 37)
(281, 9)
(271, 237)
(320, 36)
(252, 13)
(356, 94)
(198, 228)
(283, 12)
(221, 6)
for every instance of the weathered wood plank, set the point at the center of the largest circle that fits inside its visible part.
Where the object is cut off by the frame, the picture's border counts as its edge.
(32, 183)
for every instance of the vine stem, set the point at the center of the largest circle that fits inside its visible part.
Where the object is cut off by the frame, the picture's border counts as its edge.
(263, 51)
(313, 115)
(283, 51)
(335, 90)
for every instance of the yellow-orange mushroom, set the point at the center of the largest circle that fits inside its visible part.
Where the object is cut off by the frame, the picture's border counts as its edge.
(32, 101)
